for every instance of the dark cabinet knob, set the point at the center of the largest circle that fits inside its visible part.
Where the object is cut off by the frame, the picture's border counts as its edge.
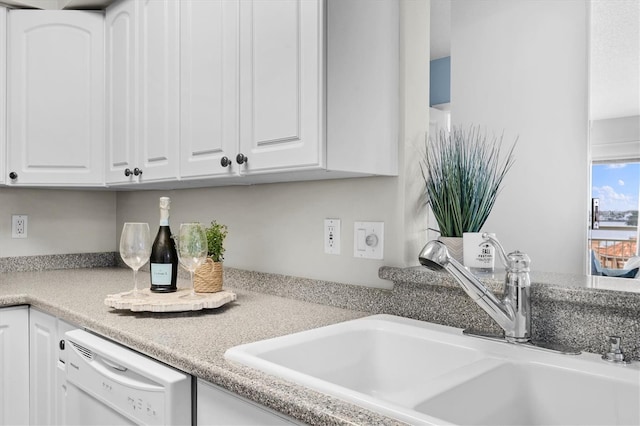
(13, 176)
(225, 162)
(241, 158)
(128, 172)
(61, 345)
(137, 172)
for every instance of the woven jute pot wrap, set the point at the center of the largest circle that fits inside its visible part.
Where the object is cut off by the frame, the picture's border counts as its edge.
(208, 277)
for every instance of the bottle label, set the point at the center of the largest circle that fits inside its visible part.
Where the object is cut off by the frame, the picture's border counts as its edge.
(161, 273)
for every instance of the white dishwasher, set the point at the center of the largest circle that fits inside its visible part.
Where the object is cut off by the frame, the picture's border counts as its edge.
(108, 384)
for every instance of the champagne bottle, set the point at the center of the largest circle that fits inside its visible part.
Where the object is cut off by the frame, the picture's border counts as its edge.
(164, 258)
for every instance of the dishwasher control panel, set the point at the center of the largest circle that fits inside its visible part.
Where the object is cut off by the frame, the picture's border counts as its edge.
(105, 377)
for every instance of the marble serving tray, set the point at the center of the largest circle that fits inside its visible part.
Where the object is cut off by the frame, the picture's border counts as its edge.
(169, 302)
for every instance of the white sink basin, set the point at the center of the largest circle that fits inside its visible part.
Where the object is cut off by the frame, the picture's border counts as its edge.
(534, 394)
(425, 373)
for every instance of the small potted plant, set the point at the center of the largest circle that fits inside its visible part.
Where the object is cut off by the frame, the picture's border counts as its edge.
(208, 277)
(463, 170)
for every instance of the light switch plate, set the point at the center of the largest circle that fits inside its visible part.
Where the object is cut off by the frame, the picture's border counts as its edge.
(368, 240)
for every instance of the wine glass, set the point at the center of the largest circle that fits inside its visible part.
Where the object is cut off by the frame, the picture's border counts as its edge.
(135, 248)
(192, 251)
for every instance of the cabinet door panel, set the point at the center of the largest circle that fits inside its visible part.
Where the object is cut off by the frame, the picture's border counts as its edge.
(209, 86)
(14, 366)
(216, 406)
(281, 84)
(276, 73)
(43, 359)
(159, 83)
(120, 84)
(3, 90)
(56, 96)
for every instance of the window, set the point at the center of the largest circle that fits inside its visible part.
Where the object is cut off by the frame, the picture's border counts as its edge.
(614, 233)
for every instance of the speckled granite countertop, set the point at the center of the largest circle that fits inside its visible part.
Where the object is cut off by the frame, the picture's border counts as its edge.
(193, 342)
(573, 311)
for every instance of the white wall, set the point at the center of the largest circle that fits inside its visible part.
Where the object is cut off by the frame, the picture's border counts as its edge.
(278, 228)
(60, 221)
(521, 66)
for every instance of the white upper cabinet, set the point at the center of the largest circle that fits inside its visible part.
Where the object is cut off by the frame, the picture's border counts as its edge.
(55, 98)
(209, 88)
(143, 87)
(318, 89)
(281, 85)
(3, 91)
(209, 92)
(363, 89)
(120, 60)
(159, 85)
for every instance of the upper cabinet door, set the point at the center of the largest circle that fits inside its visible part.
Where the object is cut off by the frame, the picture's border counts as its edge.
(3, 91)
(56, 97)
(158, 82)
(120, 64)
(281, 84)
(209, 88)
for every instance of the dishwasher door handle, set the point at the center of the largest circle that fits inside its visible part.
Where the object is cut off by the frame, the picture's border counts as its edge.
(114, 365)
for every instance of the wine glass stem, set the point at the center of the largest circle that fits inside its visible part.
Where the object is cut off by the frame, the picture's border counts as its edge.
(193, 287)
(135, 281)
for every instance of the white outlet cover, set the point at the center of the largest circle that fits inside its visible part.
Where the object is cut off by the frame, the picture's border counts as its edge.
(332, 236)
(368, 240)
(19, 227)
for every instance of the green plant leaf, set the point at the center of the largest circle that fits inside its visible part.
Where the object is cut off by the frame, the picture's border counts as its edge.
(216, 233)
(463, 171)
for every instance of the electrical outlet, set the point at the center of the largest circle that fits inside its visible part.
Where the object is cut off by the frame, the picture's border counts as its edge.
(19, 226)
(332, 236)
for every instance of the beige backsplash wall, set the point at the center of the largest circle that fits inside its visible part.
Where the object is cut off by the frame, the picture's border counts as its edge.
(59, 222)
(278, 228)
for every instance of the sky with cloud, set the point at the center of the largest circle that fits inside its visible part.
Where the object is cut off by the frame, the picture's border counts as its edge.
(616, 185)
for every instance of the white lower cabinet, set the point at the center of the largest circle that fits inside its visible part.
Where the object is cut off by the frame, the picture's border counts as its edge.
(46, 378)
(14, 366)
(32, 378)
(216, 406)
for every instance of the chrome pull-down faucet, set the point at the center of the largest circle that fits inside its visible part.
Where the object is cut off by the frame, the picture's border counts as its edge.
(513, 312)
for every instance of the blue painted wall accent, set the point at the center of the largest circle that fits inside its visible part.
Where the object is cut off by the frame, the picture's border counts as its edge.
(440, 81)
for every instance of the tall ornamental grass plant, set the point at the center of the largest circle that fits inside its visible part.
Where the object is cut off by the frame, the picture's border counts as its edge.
(463, 171)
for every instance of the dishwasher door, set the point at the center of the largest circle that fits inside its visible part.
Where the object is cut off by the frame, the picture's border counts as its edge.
(108, 384)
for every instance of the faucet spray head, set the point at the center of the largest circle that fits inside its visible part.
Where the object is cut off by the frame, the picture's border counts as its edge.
(434, 255)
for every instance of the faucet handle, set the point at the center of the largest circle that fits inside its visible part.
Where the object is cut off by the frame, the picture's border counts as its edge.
(496, 244)
(515, 261)
(615, 353)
